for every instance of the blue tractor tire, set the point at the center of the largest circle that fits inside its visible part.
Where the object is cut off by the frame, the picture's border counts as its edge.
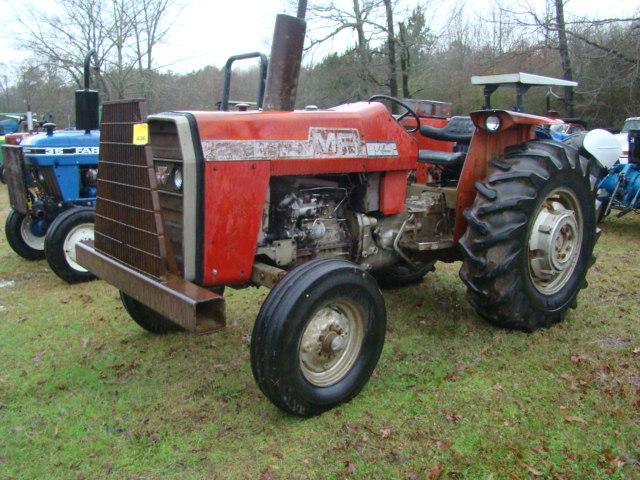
(23, 236)
(69, 228)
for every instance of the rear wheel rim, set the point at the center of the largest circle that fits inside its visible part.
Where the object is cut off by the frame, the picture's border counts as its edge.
(331, 342)
(79, 233)
(28, 237)
(555, 241)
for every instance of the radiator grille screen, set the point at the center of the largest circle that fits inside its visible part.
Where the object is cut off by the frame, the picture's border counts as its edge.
(128, 225)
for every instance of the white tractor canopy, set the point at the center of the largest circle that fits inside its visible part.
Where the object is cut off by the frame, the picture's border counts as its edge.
(522, 82)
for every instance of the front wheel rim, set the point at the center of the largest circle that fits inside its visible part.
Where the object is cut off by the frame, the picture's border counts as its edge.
(79, 233)
(331, 342)
(28, 237)
(555, 241)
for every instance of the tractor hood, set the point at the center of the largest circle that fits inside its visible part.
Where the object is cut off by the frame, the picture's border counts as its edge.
(62, 147)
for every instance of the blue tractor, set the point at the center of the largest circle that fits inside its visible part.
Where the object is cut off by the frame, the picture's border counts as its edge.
(620, 188)
(51, 178)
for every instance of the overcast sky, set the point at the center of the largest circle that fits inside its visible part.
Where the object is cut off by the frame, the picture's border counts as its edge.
(206, 32)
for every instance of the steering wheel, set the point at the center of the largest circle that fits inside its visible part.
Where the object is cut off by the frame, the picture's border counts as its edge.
(408, 110)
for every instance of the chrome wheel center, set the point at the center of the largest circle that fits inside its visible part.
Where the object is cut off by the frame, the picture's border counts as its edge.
(554, 241)
(331, 343)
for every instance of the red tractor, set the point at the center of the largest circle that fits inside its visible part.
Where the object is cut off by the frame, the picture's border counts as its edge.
(317, 205)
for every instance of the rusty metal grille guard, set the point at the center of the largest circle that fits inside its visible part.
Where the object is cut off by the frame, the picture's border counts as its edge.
(14, 175)
(131, 250)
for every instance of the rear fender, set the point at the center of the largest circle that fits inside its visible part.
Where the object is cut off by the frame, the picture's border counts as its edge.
(515, 128)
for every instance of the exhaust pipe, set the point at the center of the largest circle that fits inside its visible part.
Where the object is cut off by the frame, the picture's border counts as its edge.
(285, 60)
(87, 101)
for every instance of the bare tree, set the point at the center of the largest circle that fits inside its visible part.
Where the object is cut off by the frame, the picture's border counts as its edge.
(391, 50)
(122, 32)
(149, 28)
(563, 50)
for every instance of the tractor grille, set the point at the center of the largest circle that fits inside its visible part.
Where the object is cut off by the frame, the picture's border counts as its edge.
(166, 152)
(49, 182)
(128, 225)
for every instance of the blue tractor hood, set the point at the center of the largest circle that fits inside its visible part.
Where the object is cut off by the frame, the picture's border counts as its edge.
(67, 154)
(63, 147)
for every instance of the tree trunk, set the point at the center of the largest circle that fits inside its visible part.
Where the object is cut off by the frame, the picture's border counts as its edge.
(563, 48)
(404, 60)
(391, 50)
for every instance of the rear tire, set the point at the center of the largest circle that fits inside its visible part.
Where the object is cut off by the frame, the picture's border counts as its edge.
(73, 226)
(21, 238)
(147, 318)
(530, 235)
(318, 336)
(402, 275)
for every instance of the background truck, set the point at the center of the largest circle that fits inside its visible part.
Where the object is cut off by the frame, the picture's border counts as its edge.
(316, 203)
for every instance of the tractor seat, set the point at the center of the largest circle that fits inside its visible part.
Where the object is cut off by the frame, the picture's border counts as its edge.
(436, 157)
(458, 129)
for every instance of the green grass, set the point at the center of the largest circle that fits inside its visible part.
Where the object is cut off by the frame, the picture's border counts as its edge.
(85, 393)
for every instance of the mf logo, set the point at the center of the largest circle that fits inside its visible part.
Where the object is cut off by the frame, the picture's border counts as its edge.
(338, 142)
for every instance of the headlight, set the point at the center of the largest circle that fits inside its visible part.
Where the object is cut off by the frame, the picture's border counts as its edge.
(91, 176)
(176, 178)
(492, 123)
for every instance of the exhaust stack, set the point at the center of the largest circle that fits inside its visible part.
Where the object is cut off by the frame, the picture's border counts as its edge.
(87, 101)
(285, 60)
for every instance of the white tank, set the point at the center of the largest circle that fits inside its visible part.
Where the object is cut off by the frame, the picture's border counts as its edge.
(603, 146)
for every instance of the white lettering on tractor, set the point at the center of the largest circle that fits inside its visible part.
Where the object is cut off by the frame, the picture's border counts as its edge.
(382, 149)
(63, 151)
(321, 143)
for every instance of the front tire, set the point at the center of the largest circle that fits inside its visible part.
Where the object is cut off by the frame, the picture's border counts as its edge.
(147, 318)
(530, 236)
(69, 228)
(19, 230)
(318, 336)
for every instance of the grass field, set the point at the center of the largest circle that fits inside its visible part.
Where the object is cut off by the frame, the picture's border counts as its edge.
(85, 393)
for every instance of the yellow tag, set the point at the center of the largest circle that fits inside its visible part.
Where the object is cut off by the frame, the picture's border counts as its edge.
(140, 133)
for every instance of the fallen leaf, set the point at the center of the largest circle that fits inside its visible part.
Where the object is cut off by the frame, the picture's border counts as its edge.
(267, 475)
(350, 467)
(574, 419)
(577, 358)
(443, 445)
(453, 417)
(385, 432)
(533, 471)
(435, 471)
(498, 388)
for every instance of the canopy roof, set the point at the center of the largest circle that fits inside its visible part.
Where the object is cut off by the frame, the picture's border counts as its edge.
(520, 78)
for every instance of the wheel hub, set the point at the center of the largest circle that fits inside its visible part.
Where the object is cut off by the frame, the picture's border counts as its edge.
(330, 343)
(79, 233)
(555, 241)
(32, 232)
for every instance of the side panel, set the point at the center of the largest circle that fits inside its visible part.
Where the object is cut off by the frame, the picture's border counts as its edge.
(393, 190)
(484, 147)
(234, 198)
